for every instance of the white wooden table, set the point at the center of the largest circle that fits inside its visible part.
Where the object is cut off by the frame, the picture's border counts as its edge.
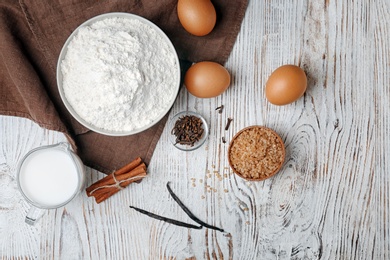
(331, 199)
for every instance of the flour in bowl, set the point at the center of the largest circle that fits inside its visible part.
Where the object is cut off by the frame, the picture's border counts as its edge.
(120, 74)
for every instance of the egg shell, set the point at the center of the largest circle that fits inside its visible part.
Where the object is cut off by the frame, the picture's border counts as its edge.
(285, 85)
(198, 17)
(207, 79)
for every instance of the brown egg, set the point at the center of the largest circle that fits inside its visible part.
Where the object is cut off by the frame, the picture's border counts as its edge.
(285, 85)
(198, 17)
(207, 79)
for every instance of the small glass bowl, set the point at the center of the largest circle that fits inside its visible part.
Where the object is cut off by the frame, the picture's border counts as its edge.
(185, 147)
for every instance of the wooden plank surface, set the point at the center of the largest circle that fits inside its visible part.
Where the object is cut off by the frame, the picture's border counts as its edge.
(331, 198)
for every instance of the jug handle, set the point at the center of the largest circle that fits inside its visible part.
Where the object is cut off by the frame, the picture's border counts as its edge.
(33, 215)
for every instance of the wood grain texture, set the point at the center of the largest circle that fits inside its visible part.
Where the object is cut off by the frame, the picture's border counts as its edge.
(331, 198)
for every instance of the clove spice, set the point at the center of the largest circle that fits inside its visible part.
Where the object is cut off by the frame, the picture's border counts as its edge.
(229, 120)
(188, 130)
(220, 109)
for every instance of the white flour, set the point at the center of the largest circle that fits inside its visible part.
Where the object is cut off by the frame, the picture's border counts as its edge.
(119, 74)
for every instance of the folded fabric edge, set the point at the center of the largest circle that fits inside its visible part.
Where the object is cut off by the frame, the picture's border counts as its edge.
(28, 116)
(235, 30)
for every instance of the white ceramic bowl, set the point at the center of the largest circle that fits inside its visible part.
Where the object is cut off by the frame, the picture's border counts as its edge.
(60, 76)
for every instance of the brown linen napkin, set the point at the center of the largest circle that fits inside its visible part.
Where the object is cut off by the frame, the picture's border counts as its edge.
(32, 34)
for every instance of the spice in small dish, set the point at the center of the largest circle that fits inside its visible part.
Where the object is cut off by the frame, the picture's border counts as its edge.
(256, 153)
(189, 130)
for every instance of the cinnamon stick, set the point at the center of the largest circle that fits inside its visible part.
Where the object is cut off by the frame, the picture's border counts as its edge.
(112, 183)
(125, 169)
(128, 182)
(108, 192)
(111, 180)
(102, 197)
(128, 167)
(97, 192)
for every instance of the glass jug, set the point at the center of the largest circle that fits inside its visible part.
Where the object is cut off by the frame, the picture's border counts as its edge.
(49, 177)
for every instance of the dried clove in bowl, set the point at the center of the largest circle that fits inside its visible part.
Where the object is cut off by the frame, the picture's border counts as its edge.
(188, 130)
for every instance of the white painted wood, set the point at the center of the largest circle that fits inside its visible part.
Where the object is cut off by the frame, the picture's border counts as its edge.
(331, 199)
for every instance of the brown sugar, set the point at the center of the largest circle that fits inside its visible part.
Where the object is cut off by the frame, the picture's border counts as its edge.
(256, 153)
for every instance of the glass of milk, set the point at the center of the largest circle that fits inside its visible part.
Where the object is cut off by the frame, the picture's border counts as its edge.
(49, 177)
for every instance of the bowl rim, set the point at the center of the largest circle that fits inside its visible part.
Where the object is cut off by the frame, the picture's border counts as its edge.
(173, 119)
(261, 127)
(64, 51)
